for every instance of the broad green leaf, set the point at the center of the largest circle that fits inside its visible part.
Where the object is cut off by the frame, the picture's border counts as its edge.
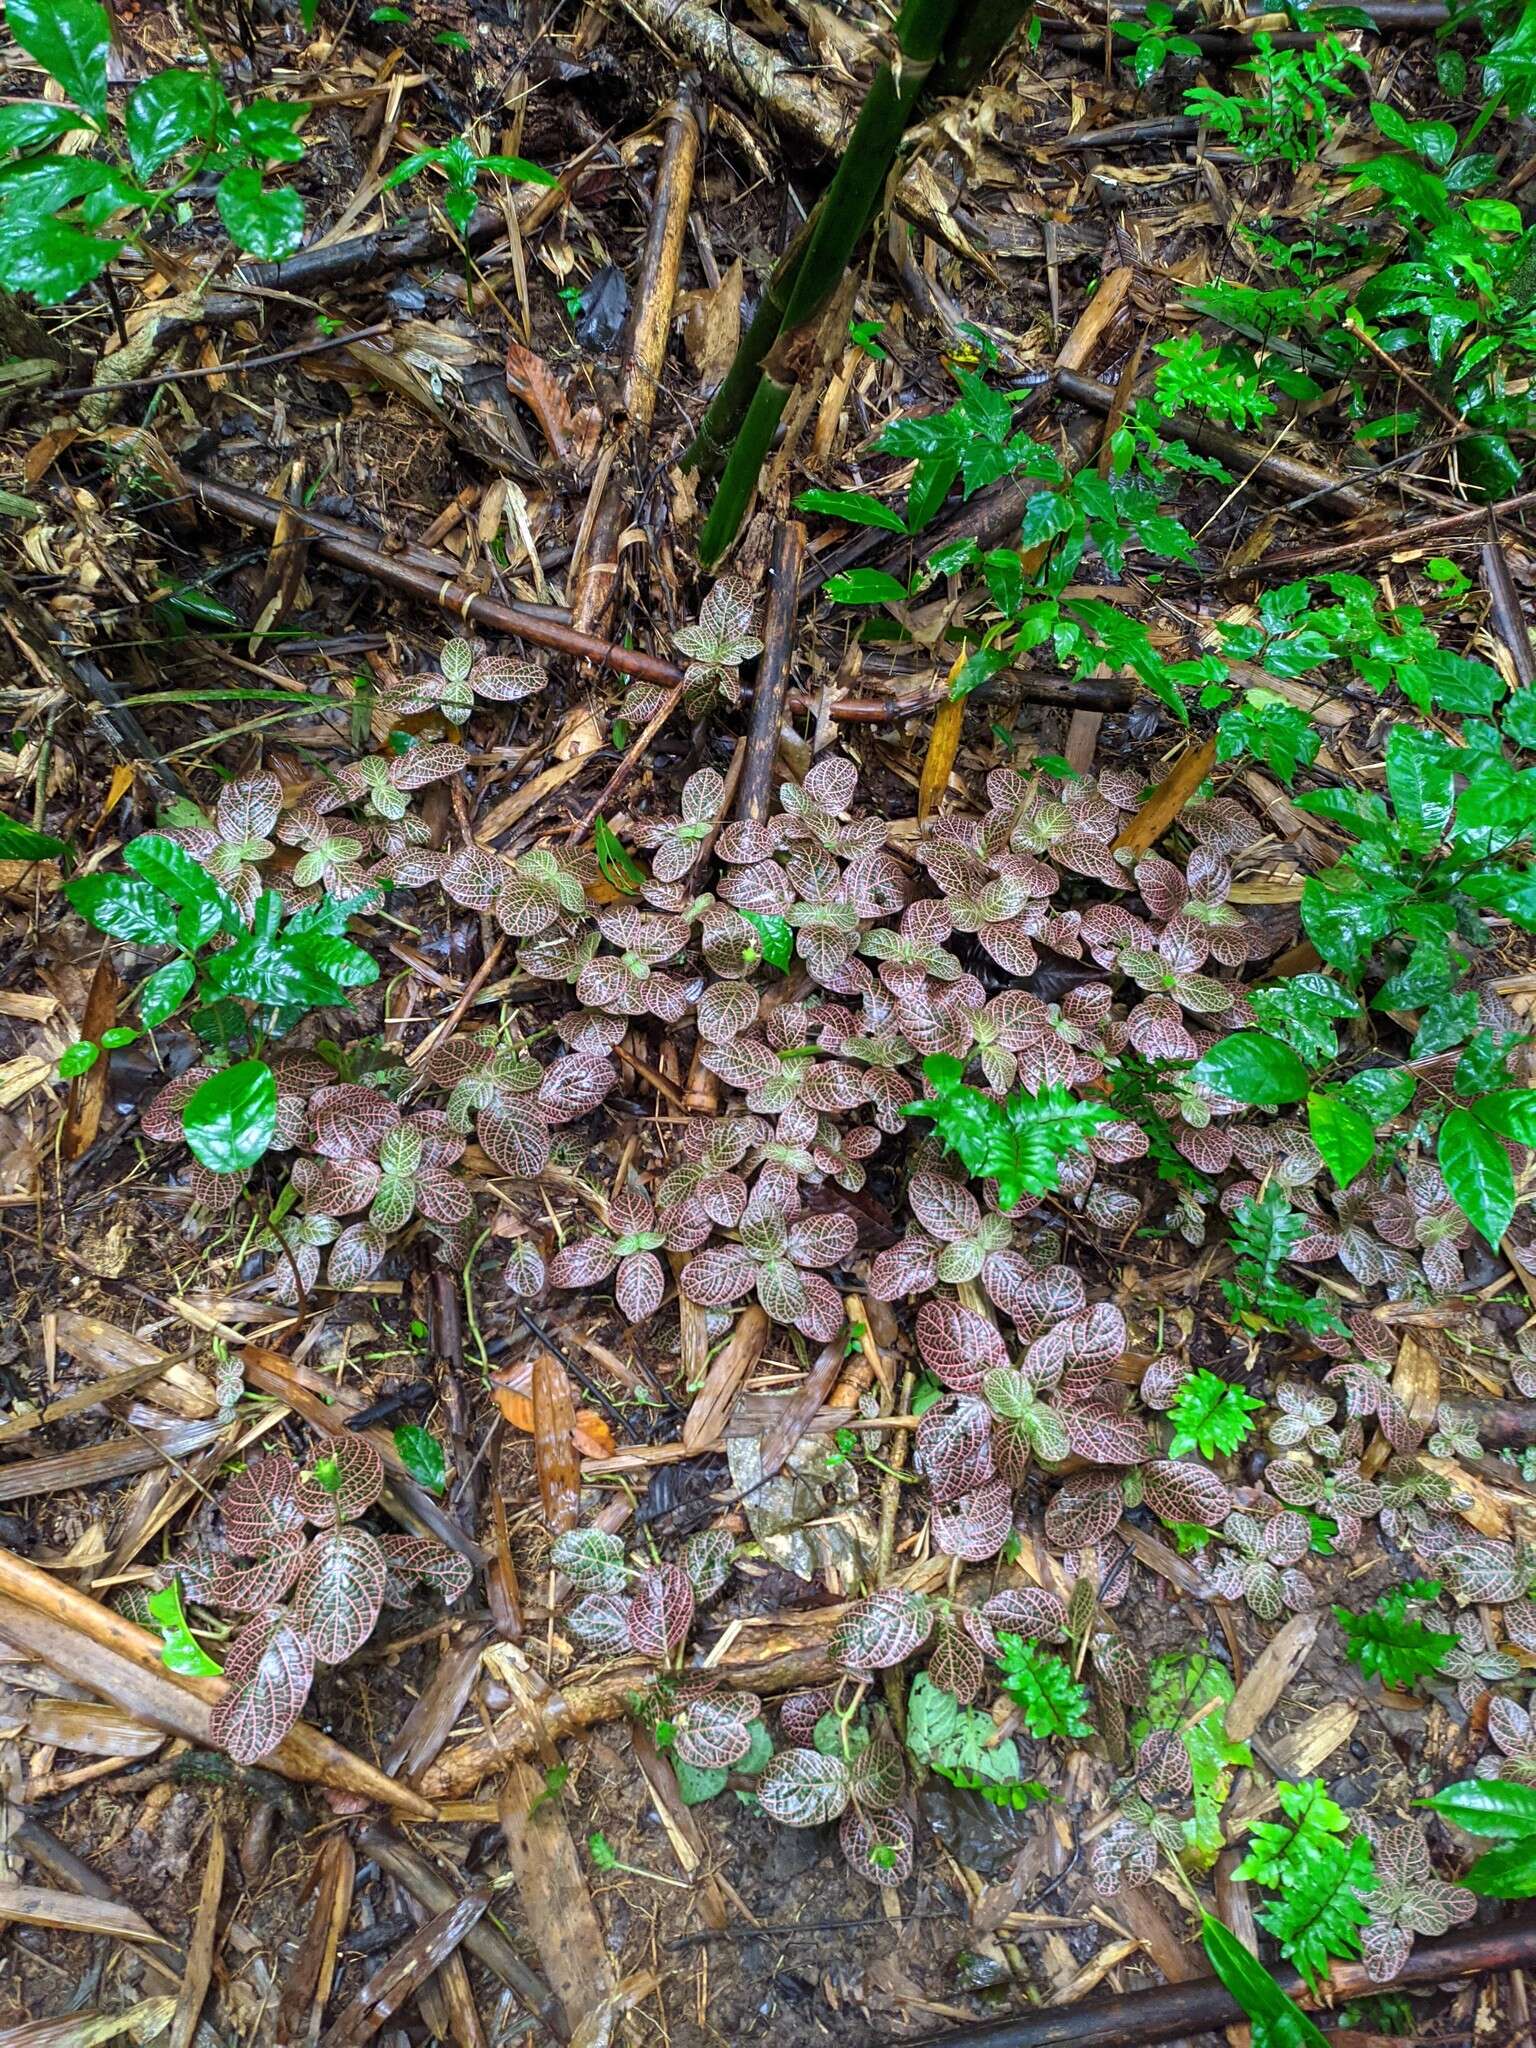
(49, 258)
(1343, 1135)
(1420, 777)
(1511, 1112)
(263, 221)
(30, 122)
(1478, 1172)
(775, 937)
(179, 1650)
(20, 842)
(124, 908)
(1345, 916)
(866, 586)
(1520, 718)
(422, 1456)
(1379, 1093)
(1283, 2023)
(1489, 1806)
(165, 991)
(167, 112)
(230, 1119)
(70, 39)
(1250, 1066)
(78, 1058)
(266, 129)
(1507, 1873)
(857, 507)
(169, 868)
(1508, 892)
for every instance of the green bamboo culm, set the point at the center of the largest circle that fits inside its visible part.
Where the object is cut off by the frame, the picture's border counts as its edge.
(976, 38)
(836, 228)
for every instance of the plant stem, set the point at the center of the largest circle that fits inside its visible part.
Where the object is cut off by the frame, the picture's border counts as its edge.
(835, 229)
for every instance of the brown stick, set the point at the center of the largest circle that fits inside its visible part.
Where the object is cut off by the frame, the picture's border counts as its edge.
(411, 1965)
(1288, 471)
(1504, 604)
(1162, 2014)
(769, 1657)
(645, 352)
(106, 1653)
(772, 673)
(438, 585)
(1392, 540)
(485, 1941)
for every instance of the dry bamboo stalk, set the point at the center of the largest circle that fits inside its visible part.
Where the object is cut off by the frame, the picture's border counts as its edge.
(88, 1643)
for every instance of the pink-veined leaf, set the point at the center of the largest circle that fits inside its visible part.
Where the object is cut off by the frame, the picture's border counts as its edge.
(270, 1668)
(660, 1611)
(339, 1592)
(801, 1788)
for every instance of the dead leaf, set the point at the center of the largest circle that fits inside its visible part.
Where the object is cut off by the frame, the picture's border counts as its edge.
(572, 436)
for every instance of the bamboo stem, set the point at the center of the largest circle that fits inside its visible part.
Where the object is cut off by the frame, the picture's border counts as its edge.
(836, 228)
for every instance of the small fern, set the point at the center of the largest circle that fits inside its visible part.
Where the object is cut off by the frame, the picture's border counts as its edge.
(1389, 1643)
(1211, 1416)
(1043, 1688)
(1018, 1141)
(1315, 1875)
(1265, 1231)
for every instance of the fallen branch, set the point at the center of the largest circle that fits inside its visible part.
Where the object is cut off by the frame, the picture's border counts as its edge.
(103, 1651)
(773, 668)
(432, 579)
(1287, 471)
(1136, 2018)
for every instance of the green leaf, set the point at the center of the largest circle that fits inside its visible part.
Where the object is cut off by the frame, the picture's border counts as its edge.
(263, 221)
(1390, 1644)
(51, 259)
(231, 1118)
(422, 1456)
(1303, 1011)
(950, 1738)
(1345, 916)
(168, 867)
(1279, 2021)
(1379, 1093)
(70, 39)
(520, 168)
(857, 507)
(1042, 1686)
(78, 1058)
(615, 863)
(1342, 1134)
(1211, 1416)
(775, 938)
(1019, 1142)
(865, 586)
(1250, 1066)
(30, 122)
(1421, 777)
(165, 991)
(1489, 1806)
(1511, 1112)
(124, 908)
(1478, 1173)
(1507, 1873)
(167, 112)
(179, 1651)
(1508, 892)
(695, 1785)
(20, 842)
(1520, 718)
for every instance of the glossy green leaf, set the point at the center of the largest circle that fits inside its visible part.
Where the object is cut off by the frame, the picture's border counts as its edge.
(1342, 1134)
(70, 39)
(422, 1456)
(231, 1118)
(1250, 1066)
(1507, 1873)
(169, 868)
(165, 991)
(165, 113)
(1478, 1172)
(617, 866)
(179, 1651)
(78, 1058)
(775, 938)
(1379, 1093)
(50, 258)
(124, 907)
(1489, 1806)
(28, 123)
(20, 842)
(857, 507)
(865, 586)
(264, 221)
(1511, 1112)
